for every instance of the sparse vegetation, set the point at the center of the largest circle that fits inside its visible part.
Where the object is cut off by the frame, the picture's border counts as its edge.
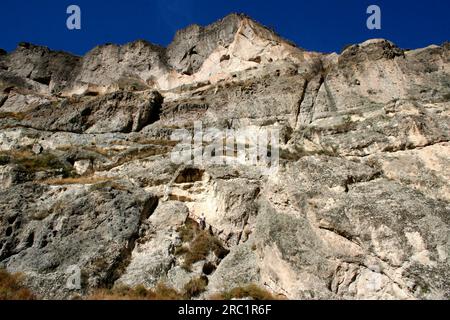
(130, 84)
(299, 152)
(4, 159)
(197, 244)
(76, 180)
(107, 183)
(200, 247)
(137, 154)
(12, 115)
(12, 288)
(181, 250)
(188, 231)
(248, 291)
(31, 162)
(160, 292)
(346, 125)
(146, 141)
(195, 286)
(107, 152)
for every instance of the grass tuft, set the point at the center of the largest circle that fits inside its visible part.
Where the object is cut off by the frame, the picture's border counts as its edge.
(160, 292)
(197, 244)
(31, 162)
(12, 115)
(12, 288)
(248, 291)
(195, 286)
(77, 180)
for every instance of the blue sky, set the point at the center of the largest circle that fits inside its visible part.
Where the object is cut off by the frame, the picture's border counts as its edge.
(320, 25)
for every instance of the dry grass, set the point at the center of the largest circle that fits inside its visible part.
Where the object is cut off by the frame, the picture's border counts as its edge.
(93, 150)
(12, 115)
(107, 152)
(200, 248)
(31, 162)
(160, 292)
(345, 126)
(17, 154)
(299, 152)
(195, 286)
(189, 230)
(248, 291)
(77, 180)
(197, 244)
(136, 154)
(4, 160)
(146, 141)
(159, 142)
(11, 287)
(141, 153)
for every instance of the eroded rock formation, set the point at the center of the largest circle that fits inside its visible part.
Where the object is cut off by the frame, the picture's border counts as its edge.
(359, 207)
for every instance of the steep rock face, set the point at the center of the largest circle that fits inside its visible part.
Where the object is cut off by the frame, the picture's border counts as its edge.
(377, 72)
(358, 208)
(353, 223)
(152, 259)
(110, 67)
(47, 230)
(121, 111)
(115, 112)
(52, 69)
(193, 45)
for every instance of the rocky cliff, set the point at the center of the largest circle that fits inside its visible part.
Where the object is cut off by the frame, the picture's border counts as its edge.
(359, 206)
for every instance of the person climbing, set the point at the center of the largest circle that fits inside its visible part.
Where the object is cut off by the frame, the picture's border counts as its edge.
(202, 221)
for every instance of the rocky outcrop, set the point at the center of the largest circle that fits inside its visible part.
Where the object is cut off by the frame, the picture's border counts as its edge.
(40, 64)
(358, 207)
(110, 67)
(193, 45)
(120, 111)
(47, 230)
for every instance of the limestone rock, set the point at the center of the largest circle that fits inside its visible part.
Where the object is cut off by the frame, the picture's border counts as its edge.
(45, 230)
(358, 207)
(152, 259)
(115, 112)
(49, 68)
(37, 149)
(82, 166)
(110, 67)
